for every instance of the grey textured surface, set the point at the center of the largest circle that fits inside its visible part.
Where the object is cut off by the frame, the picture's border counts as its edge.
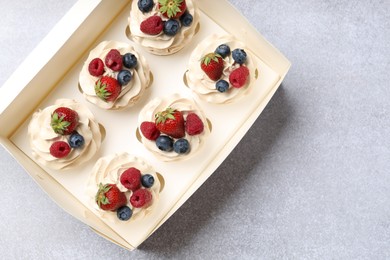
(310, 180)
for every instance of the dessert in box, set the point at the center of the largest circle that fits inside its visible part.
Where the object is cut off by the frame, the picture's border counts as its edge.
(114, 75)
(221, 69)
(163, 27)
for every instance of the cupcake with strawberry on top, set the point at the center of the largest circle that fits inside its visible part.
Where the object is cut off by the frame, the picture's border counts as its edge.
(173, 128)
(221, 70)
(64, 135)
(163, 27)
(114, 76)
(123, 187)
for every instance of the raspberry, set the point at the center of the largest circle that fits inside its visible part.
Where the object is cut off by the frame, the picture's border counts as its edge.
(194, 124)
(141, 198)
(59, 149)
(149, 130)
(96, 67)
(153, 25)
(239, 76)
(113, 60)
(131, 179)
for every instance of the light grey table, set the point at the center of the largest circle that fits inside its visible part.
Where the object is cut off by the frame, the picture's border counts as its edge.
(310, 180)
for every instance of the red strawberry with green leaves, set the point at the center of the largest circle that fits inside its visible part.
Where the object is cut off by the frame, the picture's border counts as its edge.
(170, 122)
(109, 197)
(64, 120)
(107, 88)
(172, 9)
(212, 64)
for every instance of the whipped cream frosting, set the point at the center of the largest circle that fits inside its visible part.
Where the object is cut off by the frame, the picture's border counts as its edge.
(42, 136)
(203, 86)
(131, 92)
(108, 170)
(185, 106)
(161, 44)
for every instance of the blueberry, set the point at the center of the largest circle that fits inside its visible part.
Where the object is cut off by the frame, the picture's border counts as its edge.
(76, 140)
(222, 85)
(164, 143)
(186, 19)
(145, 6)
(124, 77)
(181, 146)
(223, 50)
(239, 56)
(129, 60)
(171, 27)
(124, 213)
(147, 180)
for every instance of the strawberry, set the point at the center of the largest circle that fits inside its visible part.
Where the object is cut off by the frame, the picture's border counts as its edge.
(239, 76)
(152, 25)
(107, 88)
(212, 65)
(109, 197)
(170, 122)
(131, 179)
(60, 149)
(149, 130)
(172, 9)
(64, 120)
(141, 198)
(194, 124)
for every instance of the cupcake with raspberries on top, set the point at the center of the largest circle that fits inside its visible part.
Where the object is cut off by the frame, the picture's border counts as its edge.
(114, 76)
(163, 27)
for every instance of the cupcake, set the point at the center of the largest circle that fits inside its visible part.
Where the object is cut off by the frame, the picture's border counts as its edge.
(123, 187)
(221, 70)
(163, 27)
(172, 128)
(64, 135)
(114, 76)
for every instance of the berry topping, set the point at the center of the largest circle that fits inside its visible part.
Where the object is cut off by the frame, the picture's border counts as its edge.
(239, 56)
(113, 60)
(239, 76)
(129, 60)
(170, 122)
(212, 65)
(64, 120)
(171, 27)
(96, 67)
(147, 180)
(149, 130)
(164, 143)
(109, 197)
(172, 8)
(131, 179)
(76, 140)
(124, 77)
(181, 146)
(186, 19)
(194, 124)
(107, 89)
(222, 85)
(59, 149)
(223, 50)
(141, 198)
(124, 213)
(145, 6)
(152, 25)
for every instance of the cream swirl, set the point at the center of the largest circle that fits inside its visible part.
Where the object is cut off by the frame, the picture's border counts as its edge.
(131, 92)
(108, 170)
(203, 86)
(161, 44)
(185, 106)
(42, 136)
